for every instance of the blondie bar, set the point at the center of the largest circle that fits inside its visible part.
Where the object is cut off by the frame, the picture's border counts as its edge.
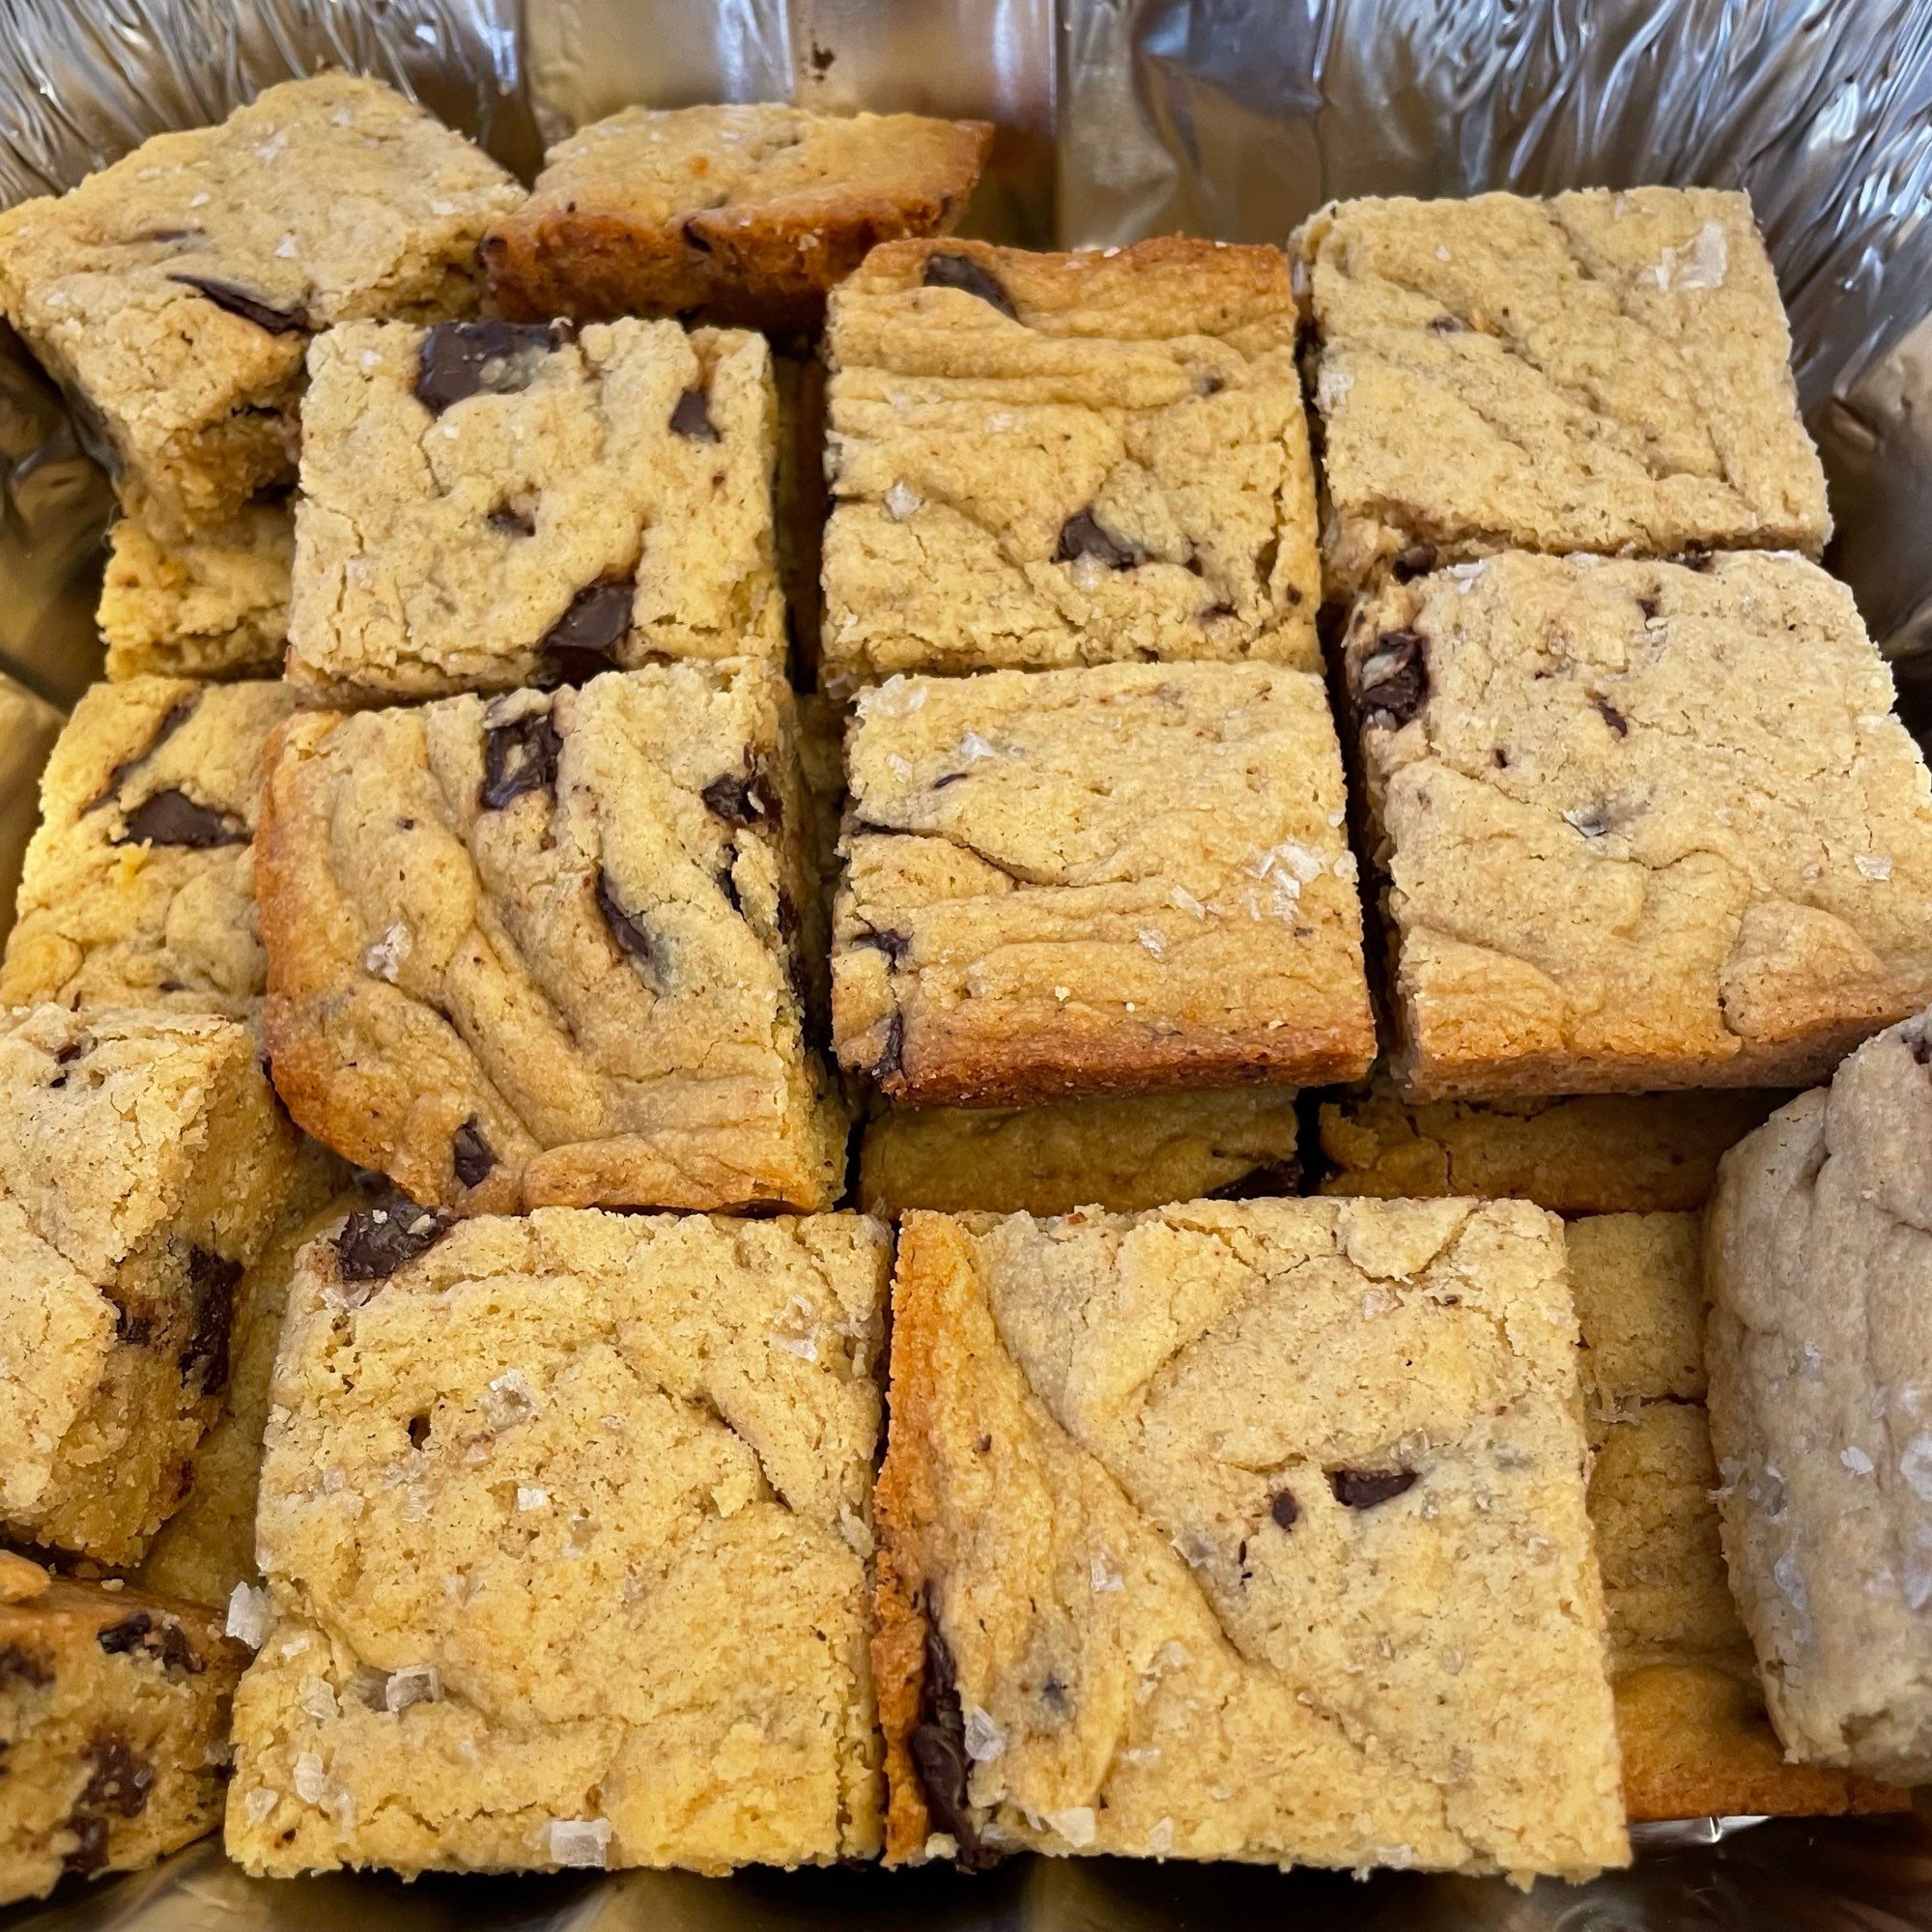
(214, 604)
(744, 215)
(1819, 1267)
(113, 1727)
(555, 948)
(173, 295)
(207, 1547)
(1696, 1738)
(139, 887)
(1167, 1519)
(1644, 825)
(1108, 879)
(1593, 1153)
(488, 504)
(1595, 372)
(1122, 1152)
(143, 1164)
(1048, 460)
(566, 1524)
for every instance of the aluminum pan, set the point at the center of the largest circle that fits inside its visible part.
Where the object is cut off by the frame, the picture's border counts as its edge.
(1120, 117)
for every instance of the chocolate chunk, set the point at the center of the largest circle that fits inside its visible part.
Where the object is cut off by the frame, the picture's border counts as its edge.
(1080, 535)
(1414, 562)
(519, 757)
(171, 720)
(692, 418)
(891, 1055)
(962, 272)
(694, 235)
(472, 1155)
(1207, 384)
(460, 360)
(1364, 1489)
(172, 819)
(946, 778)
(1448, 325)
(160, 1639)
(376, 1242)
(742, 798)
(211, 1280)
(629, 933)
(69, 1053)
(894, 945)
(250, 308)
(90, 1846)
(1612, 717)
(510, 522)
(23, 1666)
(584, 639)
(1284, 1510)
(136, 1331)
(1054, 1690)
(1500, 759)
(118, 1780)
(1393, 683)
(938, 1748)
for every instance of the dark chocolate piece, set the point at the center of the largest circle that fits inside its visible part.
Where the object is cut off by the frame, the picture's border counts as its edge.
(1364, 1489)
(962, 272)
(519, 757)
(460, 360)
(584, 639)
(472, 1155)
(1393, 682)
(211, 1280)
(938, 1748)
(1082, 535)
(376, 1242)
(629, 933)
(250, 308)
(172, 819)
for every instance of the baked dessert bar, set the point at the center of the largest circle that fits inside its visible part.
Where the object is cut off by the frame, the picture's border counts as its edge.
(1233, 1452)
(1691, 1719)
(173, 295)
(214, 604)
(566, 1525)
(1048, 460)
(744, 215)
(1819, 1268)
(488, 504)
(555, 948)
(143, 1164)
(28, 727)
(1122, 1152)
(207, 1547)
(1588, 1154)
(1644, 825)
(1595, 372)
(1110, 879)
(139, 885)
(113, 1724)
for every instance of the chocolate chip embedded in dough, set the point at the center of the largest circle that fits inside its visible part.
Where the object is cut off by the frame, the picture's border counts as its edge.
(471, 1154)
(938, 1749)
(19, 1665)
(692, 418)
(891, 1055)
(1284, 1510)
(460, 360)
(630, 935)
(506, 519)
(893, 944)
(250, 308)
(1083, 535)
(947, 270)
(376, 1242)
(744, 797)
(1364, 1489)
(211, 1280)
(518, 757)
(172, 819)
(1612, 717)
(1392, 684)
(585, 640)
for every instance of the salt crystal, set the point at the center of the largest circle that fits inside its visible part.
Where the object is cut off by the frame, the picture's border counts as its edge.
(797, 1330)
(286, 247)
(900, 768)
(1856, 1461)
(508, 1400)
(311, 1781)
(412, 1683)
(973, 748)
(1187, 902)
(1700, 264)
(902, 502)
(897, 698)
(258, 1803)
(577, 1842)
(532, 1497)
(1873, 864)
(1075, 1825)
(1152, 941)
(386, 956)
(1914, 1465)
(249, 1616)
(1103, 1572)
(1160, 1838)
(984, 1739)
(316, 1698)
(1330, 386)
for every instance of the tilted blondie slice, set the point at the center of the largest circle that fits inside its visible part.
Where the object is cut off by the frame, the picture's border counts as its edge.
(566, 1524)
(1225, 1531)
(555, 948)
(1099, 880)
(1046, 460)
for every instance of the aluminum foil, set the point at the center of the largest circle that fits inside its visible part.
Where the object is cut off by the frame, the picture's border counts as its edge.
(1118, 118)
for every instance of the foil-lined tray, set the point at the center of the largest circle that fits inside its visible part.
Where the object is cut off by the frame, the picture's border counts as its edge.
(1119, 119)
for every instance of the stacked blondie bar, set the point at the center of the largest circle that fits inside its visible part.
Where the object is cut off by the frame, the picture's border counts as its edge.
(454, 956)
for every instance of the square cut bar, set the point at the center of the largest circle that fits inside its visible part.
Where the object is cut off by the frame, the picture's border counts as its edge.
(1224, 1533)
(1122, 1152)
(1101, 880)
(211, 604)
(744, 215)
(1595, 372)
(173, 295)
(139, 887)
(1644, 825)
(566, 1523)
(557, 948)
(1591, 1153)
(488, 504)
(143, 1166)
(1047, 460)
(1696, 1739)
(113, 1725)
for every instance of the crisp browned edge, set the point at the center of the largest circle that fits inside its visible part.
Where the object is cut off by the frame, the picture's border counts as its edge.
(555, 256)
(902, 1504)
